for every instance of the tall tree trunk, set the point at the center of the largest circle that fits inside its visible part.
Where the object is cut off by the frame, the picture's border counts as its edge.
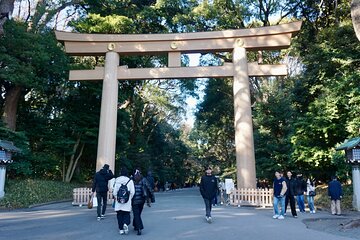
(6, 8)
(74, 159)
(12, 98)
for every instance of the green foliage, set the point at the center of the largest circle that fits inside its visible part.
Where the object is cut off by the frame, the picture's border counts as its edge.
(297, 120)
(24, 193)
(95, 23)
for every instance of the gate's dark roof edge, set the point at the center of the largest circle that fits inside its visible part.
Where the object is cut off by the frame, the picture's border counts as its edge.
(8, 146)
(349, 144)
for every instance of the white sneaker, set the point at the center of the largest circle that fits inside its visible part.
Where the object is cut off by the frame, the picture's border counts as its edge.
(209, 220)
(281, 217)
(126, 229)
(275, 216)
(98, 218)
(121, 232)
(102, 216)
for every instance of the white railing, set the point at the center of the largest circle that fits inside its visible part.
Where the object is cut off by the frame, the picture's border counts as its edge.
(81, 196)
(252, 197)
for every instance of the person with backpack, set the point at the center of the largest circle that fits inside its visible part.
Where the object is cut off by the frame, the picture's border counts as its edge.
(124, 191)
(100, 185)
(142, 188)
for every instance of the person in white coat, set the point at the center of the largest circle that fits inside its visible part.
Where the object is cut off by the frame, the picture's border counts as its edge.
(123, 209)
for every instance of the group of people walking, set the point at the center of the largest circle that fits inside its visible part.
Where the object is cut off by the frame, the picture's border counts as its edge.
(130, 194)
(293, 190)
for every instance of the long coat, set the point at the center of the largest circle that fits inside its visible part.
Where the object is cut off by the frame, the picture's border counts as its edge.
(123, 206)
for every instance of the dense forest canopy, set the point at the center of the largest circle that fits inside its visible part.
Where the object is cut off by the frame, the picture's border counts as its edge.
(298, 120)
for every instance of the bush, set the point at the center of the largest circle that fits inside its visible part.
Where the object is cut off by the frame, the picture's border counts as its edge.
(322, 199)
(24, 193)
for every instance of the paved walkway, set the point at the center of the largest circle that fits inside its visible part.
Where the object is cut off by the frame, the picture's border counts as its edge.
(176, 215)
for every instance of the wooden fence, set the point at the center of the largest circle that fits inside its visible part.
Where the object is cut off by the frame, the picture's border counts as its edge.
(239, 197)
(252, 197)
(81, 196)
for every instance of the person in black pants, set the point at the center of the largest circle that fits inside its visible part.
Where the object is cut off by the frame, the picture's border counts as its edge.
(142, 188)
(100, 185)
(208, 190)
(290, 194)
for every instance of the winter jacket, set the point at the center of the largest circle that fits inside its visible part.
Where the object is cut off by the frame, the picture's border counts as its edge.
(208, 187)
(101, 179)
(335, 190)
(151, 181)
(301, 187)
(142, 189)
(291, 186)
(124, 206)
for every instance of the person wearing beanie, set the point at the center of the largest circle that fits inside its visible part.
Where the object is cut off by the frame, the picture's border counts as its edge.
(100, 185)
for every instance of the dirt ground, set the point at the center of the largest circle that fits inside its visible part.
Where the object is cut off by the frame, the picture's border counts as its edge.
(346, 225)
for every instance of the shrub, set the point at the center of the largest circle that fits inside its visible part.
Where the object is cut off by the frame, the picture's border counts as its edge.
(24, 193)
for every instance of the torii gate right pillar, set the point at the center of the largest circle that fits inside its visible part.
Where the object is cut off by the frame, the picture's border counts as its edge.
(244, 140)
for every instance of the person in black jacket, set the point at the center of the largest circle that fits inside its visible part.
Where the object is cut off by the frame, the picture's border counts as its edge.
(151, 182)
(290, 193)
(335, 194)
(142, 189)
(301, 188)
(100, 185)
(208, 190)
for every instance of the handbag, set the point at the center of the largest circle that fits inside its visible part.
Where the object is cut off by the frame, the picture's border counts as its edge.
(312, 193)
(90, 202)
(94, 202)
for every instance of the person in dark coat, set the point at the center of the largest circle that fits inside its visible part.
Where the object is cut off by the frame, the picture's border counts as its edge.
(142, 188)
(301, 188)
(208, 190)
(151, 182)
(290, 193)
(335, 194)
(100, 185)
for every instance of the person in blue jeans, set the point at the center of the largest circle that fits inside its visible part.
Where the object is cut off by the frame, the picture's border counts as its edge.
(280, 189)
(301, 188)
(310, 195)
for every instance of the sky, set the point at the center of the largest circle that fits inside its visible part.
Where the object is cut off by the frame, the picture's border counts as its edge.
(191, 101)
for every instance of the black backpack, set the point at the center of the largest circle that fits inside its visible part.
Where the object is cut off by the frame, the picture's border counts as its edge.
(123, 194)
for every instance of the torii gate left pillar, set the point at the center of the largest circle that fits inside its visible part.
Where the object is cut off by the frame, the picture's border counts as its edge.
(108, 116)
(244, 140)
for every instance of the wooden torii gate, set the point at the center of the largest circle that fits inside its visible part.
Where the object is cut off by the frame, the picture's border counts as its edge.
(236, 41)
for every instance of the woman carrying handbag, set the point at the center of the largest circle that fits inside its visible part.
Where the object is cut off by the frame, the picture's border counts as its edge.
(311, 194)
(140, 197)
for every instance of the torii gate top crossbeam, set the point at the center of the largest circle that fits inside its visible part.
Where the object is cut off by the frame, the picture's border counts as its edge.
(264, 38)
